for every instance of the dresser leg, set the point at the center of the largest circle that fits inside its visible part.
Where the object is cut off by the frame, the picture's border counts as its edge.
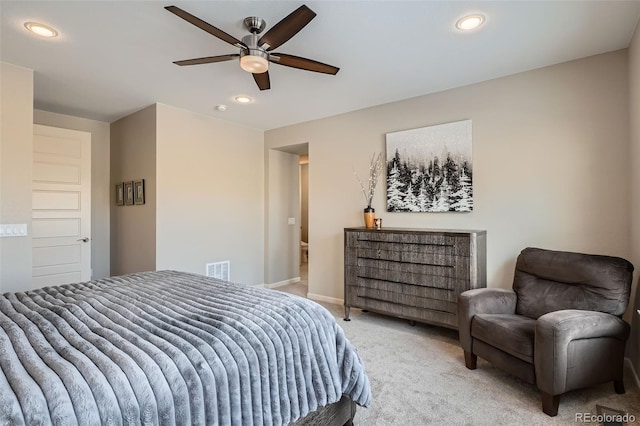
(346, 313)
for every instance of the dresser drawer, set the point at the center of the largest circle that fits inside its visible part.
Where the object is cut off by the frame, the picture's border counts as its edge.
(405, 289)
(415, 313)
(386, 295)
(443, 244)
(419, 280)
(458, 263)
(401, 268)
(404, 277)
(400, 299)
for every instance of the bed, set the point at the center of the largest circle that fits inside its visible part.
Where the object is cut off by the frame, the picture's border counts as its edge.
(174, 348)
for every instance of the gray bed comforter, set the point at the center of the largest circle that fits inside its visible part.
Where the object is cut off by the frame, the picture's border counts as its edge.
(170, 348)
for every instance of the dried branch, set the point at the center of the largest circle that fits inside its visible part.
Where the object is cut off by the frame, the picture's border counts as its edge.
(376, 165)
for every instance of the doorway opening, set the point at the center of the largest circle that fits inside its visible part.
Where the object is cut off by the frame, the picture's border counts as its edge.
(288, 197)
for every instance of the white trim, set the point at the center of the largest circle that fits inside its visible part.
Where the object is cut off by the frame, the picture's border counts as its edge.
(258, 285)
(321, 298)
(634, 373)
(281, 283)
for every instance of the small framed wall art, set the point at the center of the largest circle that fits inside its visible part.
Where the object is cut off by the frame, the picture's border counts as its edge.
(128, 193)
(138, 191)
(120, 194)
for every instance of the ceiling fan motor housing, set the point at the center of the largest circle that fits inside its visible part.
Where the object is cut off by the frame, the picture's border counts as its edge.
(254, 24)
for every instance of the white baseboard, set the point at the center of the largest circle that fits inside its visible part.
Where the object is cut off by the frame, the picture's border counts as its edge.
(321, 298)
(633, 372)
(281, 283)
(258, 285)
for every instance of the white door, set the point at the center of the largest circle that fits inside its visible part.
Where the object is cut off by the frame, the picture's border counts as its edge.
(61, 227)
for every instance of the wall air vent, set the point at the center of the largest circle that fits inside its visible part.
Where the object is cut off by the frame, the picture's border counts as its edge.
(219, 270)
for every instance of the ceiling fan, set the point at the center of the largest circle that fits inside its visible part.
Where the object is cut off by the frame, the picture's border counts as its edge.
(256, 51)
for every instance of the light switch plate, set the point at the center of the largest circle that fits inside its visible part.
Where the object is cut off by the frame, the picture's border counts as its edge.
(13, 230)
(292, 221)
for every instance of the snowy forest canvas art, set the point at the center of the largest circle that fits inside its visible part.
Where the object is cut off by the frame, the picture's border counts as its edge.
(430, 169)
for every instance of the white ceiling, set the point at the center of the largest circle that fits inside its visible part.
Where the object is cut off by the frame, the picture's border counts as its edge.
(115, 57)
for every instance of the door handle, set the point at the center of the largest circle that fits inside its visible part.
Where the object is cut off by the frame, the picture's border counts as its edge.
(84, 240)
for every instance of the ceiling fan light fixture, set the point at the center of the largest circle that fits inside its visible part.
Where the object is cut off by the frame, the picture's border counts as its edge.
(41, 29)
(254, 61)
(469, 22)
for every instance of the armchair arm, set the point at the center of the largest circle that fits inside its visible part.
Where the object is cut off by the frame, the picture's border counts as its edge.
(482, 301)
(556, 330)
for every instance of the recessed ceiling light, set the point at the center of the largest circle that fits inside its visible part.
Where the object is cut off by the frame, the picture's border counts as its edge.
(40, 29)
(221, 108)
(469, 22)
(243, 99)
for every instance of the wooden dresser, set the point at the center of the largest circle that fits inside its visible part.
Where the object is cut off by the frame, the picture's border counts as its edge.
(415, 274)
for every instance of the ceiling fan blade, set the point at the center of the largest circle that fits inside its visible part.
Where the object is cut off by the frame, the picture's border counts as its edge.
(302, 63)
(262, 80)
(205, 26)
(287, 27)
(207, 60)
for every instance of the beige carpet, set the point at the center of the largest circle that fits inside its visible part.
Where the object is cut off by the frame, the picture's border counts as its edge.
(418, 378)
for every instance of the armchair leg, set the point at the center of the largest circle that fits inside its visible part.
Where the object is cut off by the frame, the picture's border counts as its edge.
(550, 404)
(470, 360)
(618, 385)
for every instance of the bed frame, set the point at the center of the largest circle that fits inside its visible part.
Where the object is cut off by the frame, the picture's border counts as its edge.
(339, 413)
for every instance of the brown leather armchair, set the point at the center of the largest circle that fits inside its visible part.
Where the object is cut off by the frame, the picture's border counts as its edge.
(559, 328)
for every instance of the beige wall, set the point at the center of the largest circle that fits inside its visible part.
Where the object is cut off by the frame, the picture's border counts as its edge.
(550, 165)
(100, 183)
(133, 157)
(16, 165)
(282, 258)
(210, 204)
(634, 114)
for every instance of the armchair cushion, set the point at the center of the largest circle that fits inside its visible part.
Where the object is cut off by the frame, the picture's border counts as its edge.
(513, 334)
(547, 281)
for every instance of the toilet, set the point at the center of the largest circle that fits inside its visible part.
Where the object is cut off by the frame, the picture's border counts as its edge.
(304, 252)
